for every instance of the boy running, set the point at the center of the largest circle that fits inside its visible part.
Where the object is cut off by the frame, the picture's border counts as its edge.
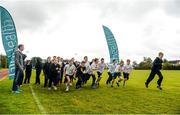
(111, 72)
(157, 66)
(80, 74)
(126, 71)
(101, 67)
(118, 71)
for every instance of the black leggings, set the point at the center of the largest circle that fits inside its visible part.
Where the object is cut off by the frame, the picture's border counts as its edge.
(27, 77)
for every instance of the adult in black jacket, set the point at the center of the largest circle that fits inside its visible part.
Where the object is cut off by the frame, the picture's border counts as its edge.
(46, 70)
(55, 70)
(28, 71)
(157, 66)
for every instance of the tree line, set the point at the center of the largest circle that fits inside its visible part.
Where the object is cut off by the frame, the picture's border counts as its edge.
(147, 63)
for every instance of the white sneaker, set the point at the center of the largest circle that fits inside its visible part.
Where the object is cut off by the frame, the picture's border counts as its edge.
(49, 88)
(70, 84)
(67, 89)
(55, 88)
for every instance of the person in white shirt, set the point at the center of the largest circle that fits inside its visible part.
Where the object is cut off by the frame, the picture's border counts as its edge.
(89, 72)
(94, 67)
(118, 71)
(111, 71)
(69, 71)
(100, 70)
(126, 71)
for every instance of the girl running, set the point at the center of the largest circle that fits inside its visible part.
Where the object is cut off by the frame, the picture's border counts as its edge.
(69, 71)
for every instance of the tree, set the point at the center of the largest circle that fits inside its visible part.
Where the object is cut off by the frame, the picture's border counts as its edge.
(145, 64)
(134, 64)
(3, 61)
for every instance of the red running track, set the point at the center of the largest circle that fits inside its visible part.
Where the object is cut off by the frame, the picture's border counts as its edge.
(3, 74)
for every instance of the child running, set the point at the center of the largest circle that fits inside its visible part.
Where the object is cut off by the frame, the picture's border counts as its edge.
(111, 72)
(126, 71)
(94, 67)
(55, 70)
(88, 73)
(118, 71)
(69, 71)
(100, 70)
(80, 74)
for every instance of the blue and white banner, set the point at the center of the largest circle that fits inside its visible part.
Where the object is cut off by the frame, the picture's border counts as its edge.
(112, 45)
(9, 39)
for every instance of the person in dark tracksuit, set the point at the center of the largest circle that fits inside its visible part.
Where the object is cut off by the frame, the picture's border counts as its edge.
(55, 70)
(20, 81)
(38, 71)
(18, 68)
(46, 70)
(80, 74)
(157, 66)
(28, 71)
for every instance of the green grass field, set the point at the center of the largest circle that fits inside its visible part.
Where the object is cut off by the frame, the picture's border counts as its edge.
(134, 98)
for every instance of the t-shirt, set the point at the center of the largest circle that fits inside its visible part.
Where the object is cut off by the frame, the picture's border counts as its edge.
(69, 69)
(94, 67)
(112, 68)
(101, 67)
(127, 68)
(119, 68)
(88, 68)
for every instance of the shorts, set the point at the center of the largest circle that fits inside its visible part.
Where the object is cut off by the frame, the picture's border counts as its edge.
(70, 76)
(99, 74)
(126, 75)
(112, 75)
(118, 74)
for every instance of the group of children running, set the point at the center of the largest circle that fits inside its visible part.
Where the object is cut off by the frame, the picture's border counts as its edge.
(55, 69)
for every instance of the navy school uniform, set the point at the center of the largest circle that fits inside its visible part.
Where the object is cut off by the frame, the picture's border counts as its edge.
(28, 71)
(38, 72)
(47, 73)
(157, 66)
(80, 76)
(55, 70)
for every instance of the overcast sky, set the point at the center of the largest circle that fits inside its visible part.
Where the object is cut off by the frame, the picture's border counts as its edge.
(73, 28)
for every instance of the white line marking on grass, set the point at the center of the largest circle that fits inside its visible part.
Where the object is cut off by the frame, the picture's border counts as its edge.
(41, 108)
